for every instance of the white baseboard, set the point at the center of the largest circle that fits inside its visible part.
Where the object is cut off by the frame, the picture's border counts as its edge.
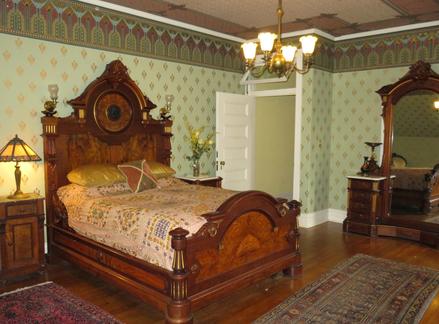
(313, 219)
(319, 217)
(336, 215)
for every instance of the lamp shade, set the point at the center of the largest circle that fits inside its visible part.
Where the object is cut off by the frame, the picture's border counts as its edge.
(249, 50)
(17, 150)
(289, 52)
(53, 91)
(308, 44)
(436, 104)
(267, 41)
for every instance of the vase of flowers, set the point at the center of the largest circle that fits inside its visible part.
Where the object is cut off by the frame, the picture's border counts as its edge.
(199, 146)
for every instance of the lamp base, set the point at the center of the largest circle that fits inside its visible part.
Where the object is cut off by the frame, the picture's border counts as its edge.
(19, 195)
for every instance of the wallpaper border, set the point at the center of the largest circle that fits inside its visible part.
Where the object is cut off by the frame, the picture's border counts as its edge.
(77, 23)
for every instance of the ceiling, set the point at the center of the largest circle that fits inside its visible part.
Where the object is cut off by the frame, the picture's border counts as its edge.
(245, 18)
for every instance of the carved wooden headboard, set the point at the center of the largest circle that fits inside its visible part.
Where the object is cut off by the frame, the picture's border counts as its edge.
(110, 123)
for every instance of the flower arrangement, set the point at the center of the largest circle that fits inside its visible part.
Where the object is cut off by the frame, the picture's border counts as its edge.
(199, 146)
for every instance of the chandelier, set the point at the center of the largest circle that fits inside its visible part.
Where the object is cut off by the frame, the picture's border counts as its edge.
(281, 59)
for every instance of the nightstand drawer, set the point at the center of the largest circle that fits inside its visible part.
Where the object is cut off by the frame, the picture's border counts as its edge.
(361, 196)
(21, 209)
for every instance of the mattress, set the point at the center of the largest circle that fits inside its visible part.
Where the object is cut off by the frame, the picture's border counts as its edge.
(139, 223)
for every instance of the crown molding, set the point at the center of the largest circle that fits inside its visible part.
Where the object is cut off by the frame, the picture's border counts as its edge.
(172, 22)
(384, 31)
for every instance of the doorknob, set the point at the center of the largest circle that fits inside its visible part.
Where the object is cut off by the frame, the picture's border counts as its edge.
(221, 164)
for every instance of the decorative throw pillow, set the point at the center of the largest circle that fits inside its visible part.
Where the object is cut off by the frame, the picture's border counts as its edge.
(92, 175)
(138, 175)
(160, 170)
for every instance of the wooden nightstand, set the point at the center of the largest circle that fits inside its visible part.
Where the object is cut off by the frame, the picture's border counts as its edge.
(364, 204)
(21, 236)
(203, 181)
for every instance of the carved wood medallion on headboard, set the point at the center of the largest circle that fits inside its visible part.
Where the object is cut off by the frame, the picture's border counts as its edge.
(110, 123)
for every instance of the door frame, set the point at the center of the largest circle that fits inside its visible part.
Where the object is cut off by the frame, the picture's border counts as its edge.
(297, 93)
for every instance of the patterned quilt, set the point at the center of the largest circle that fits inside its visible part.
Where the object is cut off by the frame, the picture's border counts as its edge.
(139, 223)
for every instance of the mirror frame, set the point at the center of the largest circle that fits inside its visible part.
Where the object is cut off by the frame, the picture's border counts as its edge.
(419, 77)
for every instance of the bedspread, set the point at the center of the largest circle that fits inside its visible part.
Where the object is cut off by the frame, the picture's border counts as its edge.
(139, 223)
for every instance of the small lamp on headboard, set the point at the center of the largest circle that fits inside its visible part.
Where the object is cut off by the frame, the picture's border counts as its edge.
(436, 105)
(16, 150)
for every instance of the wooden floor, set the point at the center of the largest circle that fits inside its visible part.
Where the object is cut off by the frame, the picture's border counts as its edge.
(322, 248)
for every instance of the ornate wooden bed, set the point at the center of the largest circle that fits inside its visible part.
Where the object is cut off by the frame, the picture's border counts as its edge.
(249, 237)
(416, 189)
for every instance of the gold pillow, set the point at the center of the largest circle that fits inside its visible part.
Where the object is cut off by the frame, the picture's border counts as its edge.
(92, 175)
(160, 170)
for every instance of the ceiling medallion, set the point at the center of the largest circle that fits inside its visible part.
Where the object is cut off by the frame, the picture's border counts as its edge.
(278, 58)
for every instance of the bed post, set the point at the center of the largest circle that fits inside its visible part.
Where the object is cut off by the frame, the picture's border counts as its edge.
(50, 134)
(179, 306)
(296, 269)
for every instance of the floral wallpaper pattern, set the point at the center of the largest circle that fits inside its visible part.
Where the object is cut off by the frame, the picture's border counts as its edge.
(29, 65)
(316, 144)
(415, 115)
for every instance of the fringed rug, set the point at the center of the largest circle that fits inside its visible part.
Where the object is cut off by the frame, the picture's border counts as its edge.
(48, 303)
(362, 289)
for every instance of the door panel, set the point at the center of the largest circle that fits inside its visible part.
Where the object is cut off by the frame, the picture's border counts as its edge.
(235, 140)
(21, 242)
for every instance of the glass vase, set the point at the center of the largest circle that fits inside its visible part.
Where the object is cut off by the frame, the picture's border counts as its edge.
(196, 168)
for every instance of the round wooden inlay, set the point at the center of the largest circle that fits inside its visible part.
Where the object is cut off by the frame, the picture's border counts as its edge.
(113, 112)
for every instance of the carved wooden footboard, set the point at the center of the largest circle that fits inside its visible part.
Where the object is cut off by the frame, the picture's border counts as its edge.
(251, 236)
(424, 198)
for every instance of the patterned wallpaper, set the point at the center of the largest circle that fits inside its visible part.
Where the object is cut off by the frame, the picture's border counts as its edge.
(78, 23)
(29, 65)
(356, 118)
(418, 151)
(415, 116)
(316, 144)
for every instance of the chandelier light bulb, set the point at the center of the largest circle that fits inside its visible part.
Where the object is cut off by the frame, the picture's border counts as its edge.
(308, 44)
(249, 49)
(289, 52)
(267, 41)
(281, 59)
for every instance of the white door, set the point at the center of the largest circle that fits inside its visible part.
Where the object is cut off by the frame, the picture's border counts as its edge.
(235, 128)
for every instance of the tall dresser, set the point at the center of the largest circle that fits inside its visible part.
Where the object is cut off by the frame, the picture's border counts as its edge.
(364, 204)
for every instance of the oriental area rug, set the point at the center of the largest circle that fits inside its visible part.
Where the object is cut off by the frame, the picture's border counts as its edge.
(49, 303)
(362, 289)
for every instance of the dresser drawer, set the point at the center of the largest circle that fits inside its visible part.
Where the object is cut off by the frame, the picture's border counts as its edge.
(21, 209)
(361, 196)
(361, 206)
(361, 184)
(361, 217)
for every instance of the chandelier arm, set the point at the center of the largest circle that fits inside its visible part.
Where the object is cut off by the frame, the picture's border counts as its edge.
(257, 72)
(305, 69)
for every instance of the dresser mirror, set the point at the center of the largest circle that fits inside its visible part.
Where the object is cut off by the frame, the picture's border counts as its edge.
(410, 164)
